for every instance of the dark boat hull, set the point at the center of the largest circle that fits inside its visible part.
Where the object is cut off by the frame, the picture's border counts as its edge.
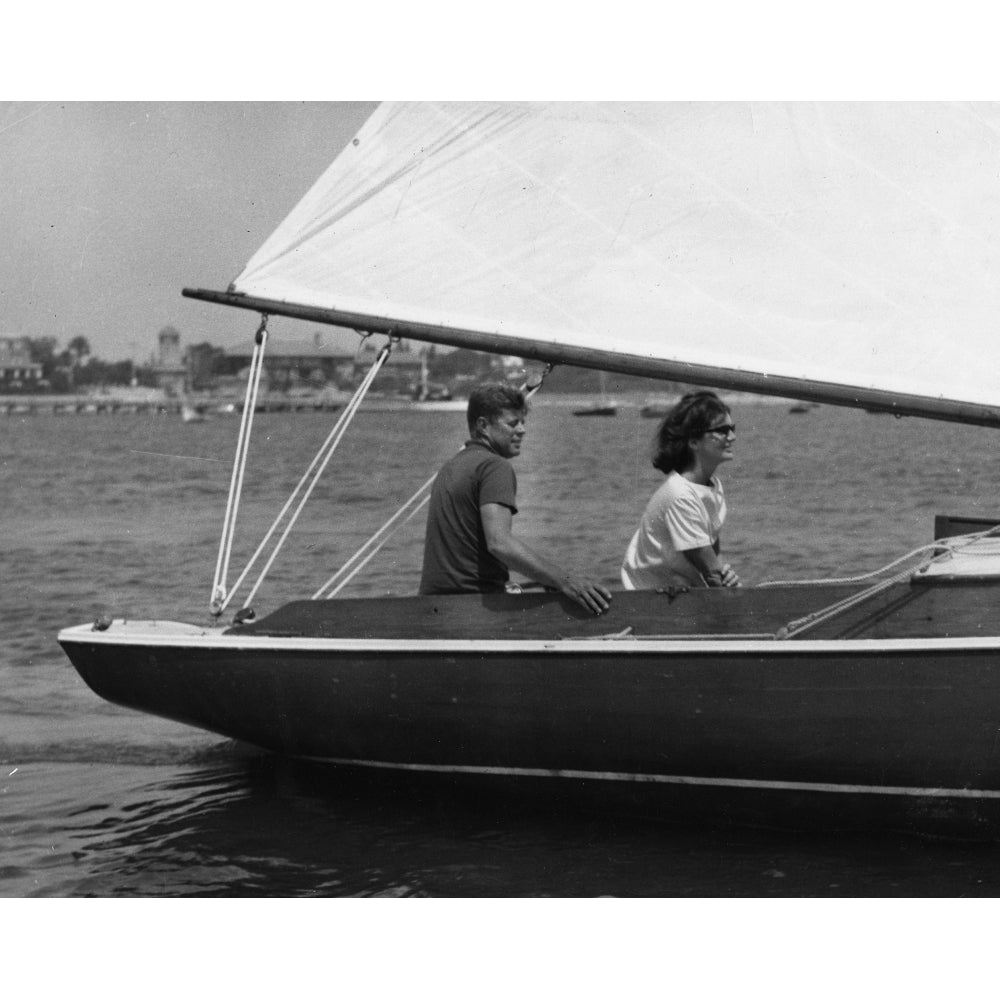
(857, 725)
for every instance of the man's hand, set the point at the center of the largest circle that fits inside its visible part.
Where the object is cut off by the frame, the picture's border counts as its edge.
(592, 596)
(515, 555)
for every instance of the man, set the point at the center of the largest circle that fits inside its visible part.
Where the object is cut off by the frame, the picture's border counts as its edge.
(469, 545)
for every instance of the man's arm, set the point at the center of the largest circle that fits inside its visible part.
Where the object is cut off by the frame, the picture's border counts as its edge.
(514, 554)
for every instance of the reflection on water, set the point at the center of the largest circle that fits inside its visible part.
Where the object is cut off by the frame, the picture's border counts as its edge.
(247, 824)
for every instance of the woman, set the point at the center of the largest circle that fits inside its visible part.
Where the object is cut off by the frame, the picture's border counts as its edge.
(677, 542)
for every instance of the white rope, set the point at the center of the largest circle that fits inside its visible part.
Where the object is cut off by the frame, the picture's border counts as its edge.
(315, 470)
(366, 553)
(220, 596)
(943, 547)
(950, 545)
(799, 625)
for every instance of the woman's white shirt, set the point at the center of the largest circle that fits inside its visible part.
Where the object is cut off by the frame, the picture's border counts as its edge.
(680, 515)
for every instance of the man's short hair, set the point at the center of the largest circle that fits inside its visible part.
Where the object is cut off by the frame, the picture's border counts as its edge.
(490, 399)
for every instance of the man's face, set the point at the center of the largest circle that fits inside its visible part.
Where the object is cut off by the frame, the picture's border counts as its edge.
(504, 433)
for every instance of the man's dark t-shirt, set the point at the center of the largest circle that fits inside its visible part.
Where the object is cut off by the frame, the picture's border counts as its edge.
(456, 560)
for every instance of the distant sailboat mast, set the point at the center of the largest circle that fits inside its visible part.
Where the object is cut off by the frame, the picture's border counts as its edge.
(605, 407)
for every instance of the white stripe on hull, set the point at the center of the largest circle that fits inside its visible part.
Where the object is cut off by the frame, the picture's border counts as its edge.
(669, 779)
(171, 635)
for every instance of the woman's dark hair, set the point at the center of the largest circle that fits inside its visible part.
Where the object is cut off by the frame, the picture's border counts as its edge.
(690, 418)
(490, 400)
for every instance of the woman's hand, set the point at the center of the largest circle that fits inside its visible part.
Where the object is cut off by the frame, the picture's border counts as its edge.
(724, 577)
(706, 562)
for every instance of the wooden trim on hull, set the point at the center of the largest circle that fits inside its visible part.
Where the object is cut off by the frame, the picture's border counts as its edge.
(210, 639)
(668, 779)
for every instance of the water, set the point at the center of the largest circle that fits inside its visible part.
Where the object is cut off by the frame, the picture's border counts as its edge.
(122, 514)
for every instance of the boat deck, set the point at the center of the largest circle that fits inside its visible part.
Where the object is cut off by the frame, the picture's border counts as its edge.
(933, 608)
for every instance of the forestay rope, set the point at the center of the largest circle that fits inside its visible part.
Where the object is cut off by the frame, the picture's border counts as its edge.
(222, 597)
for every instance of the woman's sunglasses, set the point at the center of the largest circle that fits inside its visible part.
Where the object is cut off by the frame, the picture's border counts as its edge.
(723, 430)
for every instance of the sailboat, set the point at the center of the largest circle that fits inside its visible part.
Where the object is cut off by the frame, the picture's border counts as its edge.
(657, 409)
(192, 413)
(844, 254)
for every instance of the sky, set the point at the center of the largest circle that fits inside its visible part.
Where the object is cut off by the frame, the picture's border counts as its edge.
(109, 209)
(110, 206)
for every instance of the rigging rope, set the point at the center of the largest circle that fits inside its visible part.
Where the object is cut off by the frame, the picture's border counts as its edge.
(220, 596)
(315, 470)
(366, 553)
(942, 548)
(798, 626)
(949, 544)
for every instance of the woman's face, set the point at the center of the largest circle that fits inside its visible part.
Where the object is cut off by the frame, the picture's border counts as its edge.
(715, 446)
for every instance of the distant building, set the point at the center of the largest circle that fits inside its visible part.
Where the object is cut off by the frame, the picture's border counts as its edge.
(322, 361)
(401, 372)
(17, 370)
(169, 368)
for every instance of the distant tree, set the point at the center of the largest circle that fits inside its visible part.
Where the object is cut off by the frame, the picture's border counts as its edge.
(145, 375)
(61, 380)
(104, 373)
(460, 362)
(64, 370)
(79, 348)
(205, 362)
(43, 352)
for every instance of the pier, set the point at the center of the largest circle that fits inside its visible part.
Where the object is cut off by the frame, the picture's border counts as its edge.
(48, 405)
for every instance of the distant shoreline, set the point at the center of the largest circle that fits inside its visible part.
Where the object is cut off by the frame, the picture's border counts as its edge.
(151, 401)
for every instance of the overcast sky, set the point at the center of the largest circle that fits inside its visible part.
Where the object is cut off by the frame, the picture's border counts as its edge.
(109, 209)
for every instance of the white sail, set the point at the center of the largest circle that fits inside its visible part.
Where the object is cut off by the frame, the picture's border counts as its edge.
(849, 250)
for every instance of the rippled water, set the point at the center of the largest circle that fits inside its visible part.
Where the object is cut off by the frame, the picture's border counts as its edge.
(122, 514)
